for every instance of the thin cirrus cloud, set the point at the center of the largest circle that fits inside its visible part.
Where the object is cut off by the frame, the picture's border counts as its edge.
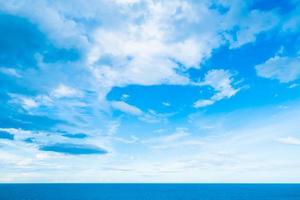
(126, 108)
(10, 71)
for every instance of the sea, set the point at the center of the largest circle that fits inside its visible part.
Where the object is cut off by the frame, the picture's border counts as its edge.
(149, 191)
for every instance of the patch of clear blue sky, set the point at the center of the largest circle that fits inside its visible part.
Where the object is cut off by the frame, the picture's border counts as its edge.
(73, 149)
(6, 135)
(282, 5)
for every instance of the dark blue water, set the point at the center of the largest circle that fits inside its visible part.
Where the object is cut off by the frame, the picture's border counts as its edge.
(150, 191)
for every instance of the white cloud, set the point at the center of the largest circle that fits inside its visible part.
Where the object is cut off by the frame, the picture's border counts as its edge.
(19, 133)
(284, 69)
(113, 128)
(153, 51)
(222, 82)
(64, 91)
(203, 103)
(140, 42)
(150, 116)
(151, 43)
(136, 57)
(25, 101)
(126, 108)
(65, 24)
(61, 91)
(28, 103)
(64, 31)
(289, 140)
(188, 155)
(250, 25)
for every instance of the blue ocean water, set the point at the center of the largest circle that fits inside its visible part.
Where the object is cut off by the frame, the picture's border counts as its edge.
(149, 191)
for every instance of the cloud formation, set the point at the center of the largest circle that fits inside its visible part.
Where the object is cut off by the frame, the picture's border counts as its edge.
(136, 86)
(124, 107)
(222, 82)
(283, 69)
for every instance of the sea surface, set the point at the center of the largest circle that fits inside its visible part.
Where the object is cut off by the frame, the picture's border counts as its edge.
(149, 191)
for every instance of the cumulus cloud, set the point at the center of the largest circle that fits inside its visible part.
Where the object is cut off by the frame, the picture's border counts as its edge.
(283, 69)
(153, 52)
(134, 61)
(222, 82)
(155, 45)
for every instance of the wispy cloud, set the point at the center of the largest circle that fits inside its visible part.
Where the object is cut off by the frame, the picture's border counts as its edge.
(289, 140)
(127, 108)
(64, 91)
(10, 72)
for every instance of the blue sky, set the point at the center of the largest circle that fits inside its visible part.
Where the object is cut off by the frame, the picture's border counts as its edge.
(150, 91)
